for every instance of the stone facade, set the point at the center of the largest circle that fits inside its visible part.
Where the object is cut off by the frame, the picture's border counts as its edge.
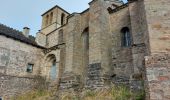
(14, 58)
(110, 42)
(158, 76)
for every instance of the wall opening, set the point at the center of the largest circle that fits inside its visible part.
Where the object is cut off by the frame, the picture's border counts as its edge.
(51, 17)
(46, 21)
(30, 68)
(52, 67)
(126, 37)
(62, 18)
(60, 36)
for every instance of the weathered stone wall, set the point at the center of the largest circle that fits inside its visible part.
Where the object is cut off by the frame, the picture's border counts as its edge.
(49, 28)
(122, 61)
(73, 60)
(52, 39)
(14, 57)
(100, 44)
(41, 39)
(157, 16)
(157, 63)
(11, 86)
(158, 76)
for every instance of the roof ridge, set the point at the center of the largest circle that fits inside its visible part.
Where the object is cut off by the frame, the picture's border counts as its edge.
(17, 35)
(10, 28)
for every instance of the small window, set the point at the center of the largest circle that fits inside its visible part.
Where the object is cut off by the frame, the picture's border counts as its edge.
(126, 37)
(30, 68)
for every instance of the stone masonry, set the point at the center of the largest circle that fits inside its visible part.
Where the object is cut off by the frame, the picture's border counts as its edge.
(111, 42)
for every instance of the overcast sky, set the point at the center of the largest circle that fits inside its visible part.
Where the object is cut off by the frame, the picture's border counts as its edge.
(20, 13)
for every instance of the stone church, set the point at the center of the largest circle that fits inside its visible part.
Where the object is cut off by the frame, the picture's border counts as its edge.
(111, 42)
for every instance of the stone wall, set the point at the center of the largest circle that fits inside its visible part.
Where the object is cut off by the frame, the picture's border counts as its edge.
(157, 16)
(41, 39)
(157, 63)
(158, 76)
(99, 44)
(52, 39)
(14, 58)
(11, 86)
(122, 62)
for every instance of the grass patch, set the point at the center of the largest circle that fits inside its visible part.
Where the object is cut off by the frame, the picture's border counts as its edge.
(114, 93)
(32, 95)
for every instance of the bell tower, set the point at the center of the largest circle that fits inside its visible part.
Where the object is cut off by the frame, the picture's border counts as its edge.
(53, 18)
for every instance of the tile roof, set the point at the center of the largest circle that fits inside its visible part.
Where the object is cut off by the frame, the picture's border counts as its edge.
(17, 35)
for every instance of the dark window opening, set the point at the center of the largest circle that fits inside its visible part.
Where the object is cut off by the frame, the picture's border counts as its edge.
(62, 18)
(126, 37)
(51, 17)
(85, 36)
(60, 37)
(47, 18)
(30, 68)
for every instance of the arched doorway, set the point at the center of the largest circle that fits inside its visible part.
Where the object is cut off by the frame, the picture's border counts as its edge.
(52, 67)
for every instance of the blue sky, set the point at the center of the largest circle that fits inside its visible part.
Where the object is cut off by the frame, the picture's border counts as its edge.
(20, 13)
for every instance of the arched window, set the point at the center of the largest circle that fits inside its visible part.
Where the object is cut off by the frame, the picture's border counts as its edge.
(126, 37)
(47, 18)
(85, 37)
(62, 18)
(85, 47)
(51, 17)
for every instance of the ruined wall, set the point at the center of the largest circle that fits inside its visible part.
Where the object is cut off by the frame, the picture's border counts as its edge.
(14, 57)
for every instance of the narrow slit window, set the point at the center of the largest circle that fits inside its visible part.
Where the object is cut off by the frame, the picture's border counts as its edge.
(62, 18)
(47, 20)
(51, 17)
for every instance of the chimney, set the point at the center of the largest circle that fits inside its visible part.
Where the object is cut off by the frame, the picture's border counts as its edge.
(26, 31)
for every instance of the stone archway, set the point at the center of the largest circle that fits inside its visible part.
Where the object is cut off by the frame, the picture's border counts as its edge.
(52, 68)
